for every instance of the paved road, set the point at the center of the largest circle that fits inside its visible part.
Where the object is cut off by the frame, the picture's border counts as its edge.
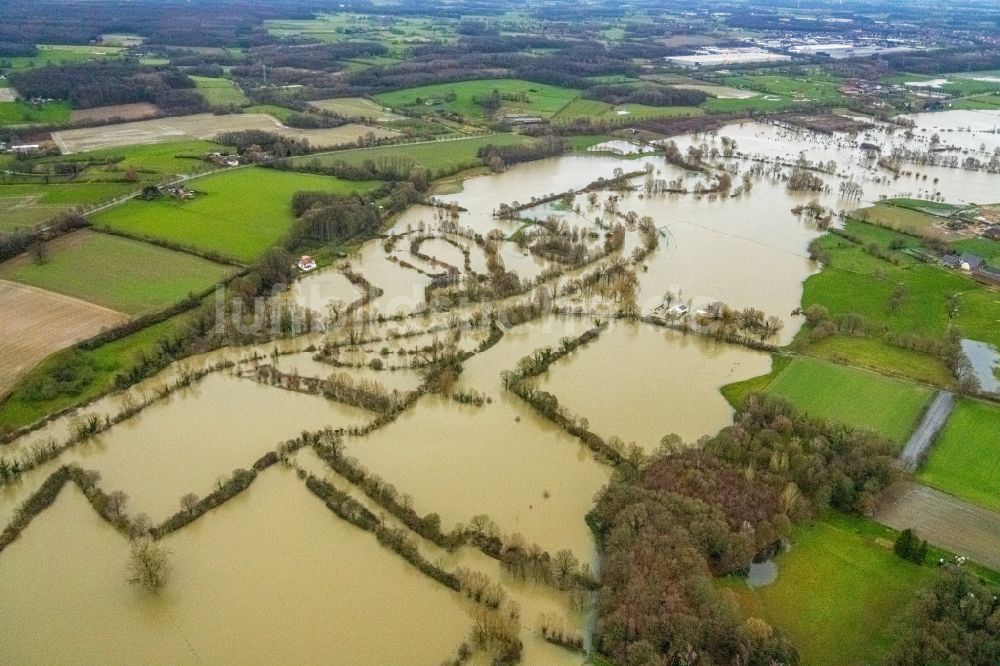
(920, 441)
(945, 521)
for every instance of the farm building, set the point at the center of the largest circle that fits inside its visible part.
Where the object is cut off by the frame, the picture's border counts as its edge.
(952, 261)
(971, 262)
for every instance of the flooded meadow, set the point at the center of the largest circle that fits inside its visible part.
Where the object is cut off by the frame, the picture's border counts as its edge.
(423, 329)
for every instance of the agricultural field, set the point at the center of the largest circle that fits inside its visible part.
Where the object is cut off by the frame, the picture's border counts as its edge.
(92, 371)
(200, 126)
(137, 111)
(397, 33)
(24, 206)
(55, 54)
(158, 159)
(26, 113)
(29, 201)
(817, 86)
(844, 394)
(965, 458)
(116, 273)
(588, 108)
(236, 214)
(841, 593)
(357, 107)
(279, 112)
(219, 91)
(906, 220)
(519, 97)
(37, 322)
(874, 354)
(853, 281)
(960, 84)
(445, 156)
(763, 104)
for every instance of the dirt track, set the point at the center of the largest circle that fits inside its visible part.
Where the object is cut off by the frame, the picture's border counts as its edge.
(920, 441)
(945, 521)
(36, 323)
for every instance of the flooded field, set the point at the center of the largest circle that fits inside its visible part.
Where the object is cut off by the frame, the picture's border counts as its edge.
(272, 576)
(640, 383)
(274, 572)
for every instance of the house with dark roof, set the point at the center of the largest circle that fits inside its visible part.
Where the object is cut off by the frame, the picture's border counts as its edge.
(952, 261)
(971, 262)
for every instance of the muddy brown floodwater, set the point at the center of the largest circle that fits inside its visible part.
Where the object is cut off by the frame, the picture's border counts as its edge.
(273, 576)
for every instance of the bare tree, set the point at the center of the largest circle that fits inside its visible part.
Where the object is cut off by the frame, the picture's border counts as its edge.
(147, 563)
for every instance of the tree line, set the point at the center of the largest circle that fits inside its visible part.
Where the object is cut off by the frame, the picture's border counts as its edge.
(689, 515)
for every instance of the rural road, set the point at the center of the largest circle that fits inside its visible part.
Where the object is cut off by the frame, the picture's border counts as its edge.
(945, 521)
(920, 441)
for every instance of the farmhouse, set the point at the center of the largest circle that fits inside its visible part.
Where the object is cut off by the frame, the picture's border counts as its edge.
(992, 232)
(971, 262)
(181, 193)
(951, 261)
(307, 263)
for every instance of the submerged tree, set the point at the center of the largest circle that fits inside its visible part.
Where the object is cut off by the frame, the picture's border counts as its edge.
(147, 563)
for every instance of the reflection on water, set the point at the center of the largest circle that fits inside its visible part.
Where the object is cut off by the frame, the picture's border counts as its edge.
(985, 361)
(762, 573)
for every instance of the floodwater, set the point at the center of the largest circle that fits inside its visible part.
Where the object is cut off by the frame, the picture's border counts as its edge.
(183, 444)
(500, 459)
(270, 577)
(640, 383)
(273, 576)
(985, 361)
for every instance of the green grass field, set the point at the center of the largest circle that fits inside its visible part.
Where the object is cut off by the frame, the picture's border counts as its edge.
(855, 281)
(279, 112)
(841, 593)
(437, 157)
(761, 104)
(983, 247)
(238, 213)
(907, 220)
(107, 360)
(854, 397)
(118, 273)
(874, 354)
(356, 107)
(24, 113)
(176, 157)
(54, 54)
(539, 99)
(23, 206)
(27, 204)
(737, 392)
(219, 91)
(814, 87)
(965, 459)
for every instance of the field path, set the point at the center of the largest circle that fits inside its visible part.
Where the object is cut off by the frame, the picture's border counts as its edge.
(36, 323)
(920, 441)
(945, 521)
